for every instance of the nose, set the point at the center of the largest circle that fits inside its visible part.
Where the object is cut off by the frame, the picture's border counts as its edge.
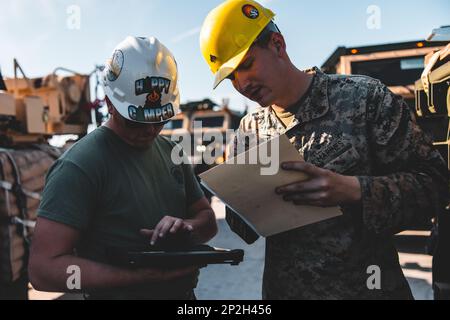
(241, 81)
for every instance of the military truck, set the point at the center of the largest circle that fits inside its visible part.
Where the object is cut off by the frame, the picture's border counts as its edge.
(213, 118)
(45, 106)
(432, 93)
(32, 110)
(398, 65)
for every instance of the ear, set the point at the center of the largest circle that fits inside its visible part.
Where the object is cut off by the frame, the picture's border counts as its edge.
(109, 105)
(279, 43)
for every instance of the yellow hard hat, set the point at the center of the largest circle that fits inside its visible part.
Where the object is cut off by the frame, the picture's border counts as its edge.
(228, 32)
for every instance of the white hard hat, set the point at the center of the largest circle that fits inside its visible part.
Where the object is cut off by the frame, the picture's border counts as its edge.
(141, 81)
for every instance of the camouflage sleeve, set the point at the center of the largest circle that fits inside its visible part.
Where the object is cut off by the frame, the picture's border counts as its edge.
(410, 183)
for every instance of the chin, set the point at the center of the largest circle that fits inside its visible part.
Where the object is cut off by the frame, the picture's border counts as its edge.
(264, 103)
(143, 144)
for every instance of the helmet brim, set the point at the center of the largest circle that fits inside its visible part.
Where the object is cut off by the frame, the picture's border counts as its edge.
(229, 67)
(122, 107)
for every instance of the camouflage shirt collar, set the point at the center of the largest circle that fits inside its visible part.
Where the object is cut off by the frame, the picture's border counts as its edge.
(315, 105)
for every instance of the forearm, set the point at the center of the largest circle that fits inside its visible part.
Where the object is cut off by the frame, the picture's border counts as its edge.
(395, 202)
(54, 274)
(204, 226)
(411, 178)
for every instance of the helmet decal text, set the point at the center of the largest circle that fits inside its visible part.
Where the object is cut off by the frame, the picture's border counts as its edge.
(154, 115)
(152, 84)
(153, 110)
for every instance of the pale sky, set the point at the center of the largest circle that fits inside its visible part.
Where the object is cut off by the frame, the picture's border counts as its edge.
(38, 32)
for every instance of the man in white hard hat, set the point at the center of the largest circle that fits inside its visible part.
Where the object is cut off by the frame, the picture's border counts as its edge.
(363, 149)
(119, 188)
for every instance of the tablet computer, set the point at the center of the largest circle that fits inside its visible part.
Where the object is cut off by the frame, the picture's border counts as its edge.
(199, 255)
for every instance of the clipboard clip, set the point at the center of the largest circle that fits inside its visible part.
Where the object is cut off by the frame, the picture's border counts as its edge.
(240, 227)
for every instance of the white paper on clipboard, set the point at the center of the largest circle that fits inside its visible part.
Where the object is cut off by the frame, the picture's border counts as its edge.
(253, 197)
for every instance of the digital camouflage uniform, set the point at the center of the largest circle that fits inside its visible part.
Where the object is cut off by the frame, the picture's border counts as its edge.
(352, 125)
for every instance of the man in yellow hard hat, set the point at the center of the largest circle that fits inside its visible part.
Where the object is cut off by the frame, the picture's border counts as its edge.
(363, 150)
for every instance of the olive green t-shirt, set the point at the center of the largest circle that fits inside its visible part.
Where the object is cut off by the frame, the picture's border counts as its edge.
(286, 116)
(109, 191)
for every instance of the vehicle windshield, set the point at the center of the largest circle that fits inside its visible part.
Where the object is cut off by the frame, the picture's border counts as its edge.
(211, 122)
(174, 124)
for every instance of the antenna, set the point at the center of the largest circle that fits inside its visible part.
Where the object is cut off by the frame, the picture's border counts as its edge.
(2, 83)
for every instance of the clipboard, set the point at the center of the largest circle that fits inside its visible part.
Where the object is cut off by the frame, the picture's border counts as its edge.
(252, 195)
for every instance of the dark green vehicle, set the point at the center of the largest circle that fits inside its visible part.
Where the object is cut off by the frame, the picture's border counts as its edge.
(433, 105)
